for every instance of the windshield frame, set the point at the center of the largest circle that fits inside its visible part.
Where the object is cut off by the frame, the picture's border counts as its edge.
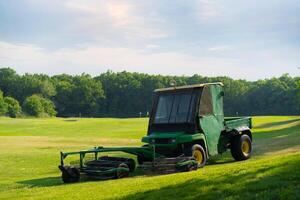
(192, 110)
(174, 108)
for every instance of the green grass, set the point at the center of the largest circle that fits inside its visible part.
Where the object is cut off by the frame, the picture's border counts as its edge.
(29, 155)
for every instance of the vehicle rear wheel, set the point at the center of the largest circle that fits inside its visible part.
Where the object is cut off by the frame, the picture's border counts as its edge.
(199, 155)
(241, 147)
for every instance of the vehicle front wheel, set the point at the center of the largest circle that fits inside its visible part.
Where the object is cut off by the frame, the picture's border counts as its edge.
(199, 155)
(241, 147)
(141, 159)
(70, 175)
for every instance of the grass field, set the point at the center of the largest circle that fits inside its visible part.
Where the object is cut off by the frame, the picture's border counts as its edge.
(29, 156)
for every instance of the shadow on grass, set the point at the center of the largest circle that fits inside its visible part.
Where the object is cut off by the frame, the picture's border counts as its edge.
(272, 141)
(43, 182)
(70, 120)
(271, 182)
(272, 124)
(275, 133)
(56, 181)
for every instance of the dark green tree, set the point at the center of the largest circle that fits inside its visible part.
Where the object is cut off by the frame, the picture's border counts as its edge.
(298, 91)
(49, 108)
(87, 95)
(39, 106)
(3, 105)
(13, 107)
(8, 78)
(78, 95)
(126, 94)
(33, 106)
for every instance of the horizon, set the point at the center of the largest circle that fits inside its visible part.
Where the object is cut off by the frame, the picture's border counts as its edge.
(241, 40)
(96, 75)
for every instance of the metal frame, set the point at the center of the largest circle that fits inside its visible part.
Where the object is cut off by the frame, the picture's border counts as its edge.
(146, 151)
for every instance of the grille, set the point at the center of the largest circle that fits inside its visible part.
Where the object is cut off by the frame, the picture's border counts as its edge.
(162, 140)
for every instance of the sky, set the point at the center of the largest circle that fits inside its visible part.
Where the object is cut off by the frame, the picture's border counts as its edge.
(246, 39)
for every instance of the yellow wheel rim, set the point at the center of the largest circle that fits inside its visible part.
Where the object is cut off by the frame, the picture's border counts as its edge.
(198, 156)
(246, 147)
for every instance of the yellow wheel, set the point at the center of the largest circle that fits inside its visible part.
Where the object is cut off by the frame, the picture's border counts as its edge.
(199, 155)
(246, 147)
(241, 147)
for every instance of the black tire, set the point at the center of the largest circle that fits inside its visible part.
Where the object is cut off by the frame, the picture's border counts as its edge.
(199, 155)
(70, 175)
(241, 147)
(122, 174)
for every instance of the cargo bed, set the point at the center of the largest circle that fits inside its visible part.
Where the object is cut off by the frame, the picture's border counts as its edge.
(237, 123)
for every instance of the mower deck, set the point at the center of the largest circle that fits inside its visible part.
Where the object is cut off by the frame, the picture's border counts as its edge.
(101, 168)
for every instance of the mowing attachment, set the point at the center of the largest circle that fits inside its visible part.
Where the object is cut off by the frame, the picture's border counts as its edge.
(170, 165)
(105, 167)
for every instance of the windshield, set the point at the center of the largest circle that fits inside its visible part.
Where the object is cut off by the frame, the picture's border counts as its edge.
(174, 108)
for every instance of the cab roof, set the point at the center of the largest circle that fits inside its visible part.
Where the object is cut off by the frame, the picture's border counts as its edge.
(187, 86)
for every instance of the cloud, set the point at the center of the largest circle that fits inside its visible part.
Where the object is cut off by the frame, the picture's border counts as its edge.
(119, 14)
(152, 46)
(122, 20)
(210, 37)
(95, 60)
(208, 10)
(220, 48)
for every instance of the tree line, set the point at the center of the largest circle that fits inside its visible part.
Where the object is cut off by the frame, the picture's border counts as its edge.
(126, 94)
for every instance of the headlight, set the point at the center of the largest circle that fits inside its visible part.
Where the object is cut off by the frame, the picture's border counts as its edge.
(173, 140)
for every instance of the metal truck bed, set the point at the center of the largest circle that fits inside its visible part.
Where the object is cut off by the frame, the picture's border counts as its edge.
(238, 123)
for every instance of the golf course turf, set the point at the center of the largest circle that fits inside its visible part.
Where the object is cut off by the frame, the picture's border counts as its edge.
(29, 156)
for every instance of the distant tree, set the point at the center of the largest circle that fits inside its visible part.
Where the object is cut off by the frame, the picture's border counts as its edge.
(29, 84)
(47, 89)
(78, 95)
(49, 108)
(38, 106)
(298, 90)
(33, 106)
(63, 99)
(7, 80)
(87, 95)
(13, 107)
(3, 105)
(126, 94)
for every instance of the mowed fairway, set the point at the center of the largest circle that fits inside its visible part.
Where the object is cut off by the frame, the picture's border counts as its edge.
(29, 156)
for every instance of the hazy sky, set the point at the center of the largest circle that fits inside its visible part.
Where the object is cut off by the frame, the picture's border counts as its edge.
(242, 39)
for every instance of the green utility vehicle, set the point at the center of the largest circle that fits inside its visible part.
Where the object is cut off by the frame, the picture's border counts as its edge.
(185, 122)
(190, 120)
